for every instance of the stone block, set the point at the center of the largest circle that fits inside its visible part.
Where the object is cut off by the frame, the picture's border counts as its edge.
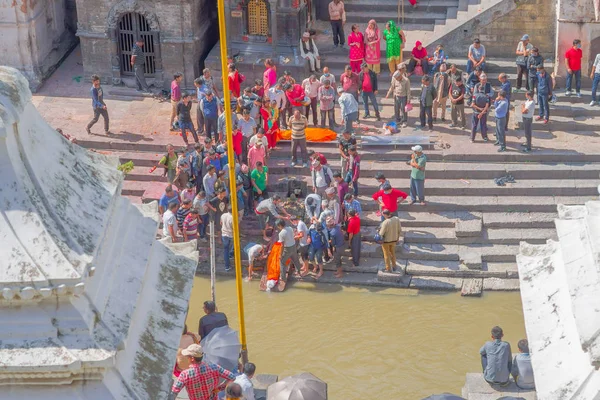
(500, 284)
(468, 228)
(472, 287)
(392, 277)
(436, 283)
(471, 260)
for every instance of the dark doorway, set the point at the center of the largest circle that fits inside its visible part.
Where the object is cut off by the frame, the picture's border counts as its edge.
(131, 27)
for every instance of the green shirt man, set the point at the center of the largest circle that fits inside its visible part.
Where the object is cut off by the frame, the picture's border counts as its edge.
(259, 179)
(417, 175)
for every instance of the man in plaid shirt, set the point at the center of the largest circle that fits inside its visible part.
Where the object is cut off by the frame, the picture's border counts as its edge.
(201, 379)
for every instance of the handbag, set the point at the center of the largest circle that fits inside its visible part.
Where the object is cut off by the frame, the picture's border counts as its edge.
(377, 238)
(408, 107)
(419, 70)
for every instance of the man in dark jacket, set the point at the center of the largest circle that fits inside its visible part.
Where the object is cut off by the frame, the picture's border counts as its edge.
(533, 61)
(213, 319)
(428, 93)
(367, 85)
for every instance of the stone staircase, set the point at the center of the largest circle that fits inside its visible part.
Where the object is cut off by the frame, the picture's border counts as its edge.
(470, 229)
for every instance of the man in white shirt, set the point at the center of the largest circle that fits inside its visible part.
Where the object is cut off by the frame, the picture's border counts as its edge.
(527, 109)
(311, 87)
(321, 178)
(312, 206)
(288, 240)
(302, 236)
(170, 222)
(227, 236)
(245, 381)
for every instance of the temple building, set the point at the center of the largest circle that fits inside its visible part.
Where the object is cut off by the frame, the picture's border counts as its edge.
(92, 306)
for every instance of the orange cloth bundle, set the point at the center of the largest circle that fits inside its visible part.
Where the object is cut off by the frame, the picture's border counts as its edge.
(312, 135)
(273, 268)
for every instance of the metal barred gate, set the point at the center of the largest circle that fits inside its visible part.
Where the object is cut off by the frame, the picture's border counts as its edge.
(131, 27)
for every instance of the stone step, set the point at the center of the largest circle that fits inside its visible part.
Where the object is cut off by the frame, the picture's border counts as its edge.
(439, 6)
(480, 187)
(330, 150)
(440, 252)
(141, 171)
(423, 20)
(456, 269)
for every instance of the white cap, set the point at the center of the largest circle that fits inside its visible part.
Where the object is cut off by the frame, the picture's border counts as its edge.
(417, 148)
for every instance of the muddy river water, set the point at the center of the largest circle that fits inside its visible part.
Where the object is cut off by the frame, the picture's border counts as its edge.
(366, 343)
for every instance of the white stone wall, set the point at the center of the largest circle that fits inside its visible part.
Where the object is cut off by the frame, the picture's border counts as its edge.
(92, 306)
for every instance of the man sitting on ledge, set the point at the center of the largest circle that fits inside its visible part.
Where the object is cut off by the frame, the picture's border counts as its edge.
(496, 359)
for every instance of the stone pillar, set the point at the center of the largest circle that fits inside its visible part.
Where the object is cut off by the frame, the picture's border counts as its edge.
(115, 63)
(159, 78)
(274, 34)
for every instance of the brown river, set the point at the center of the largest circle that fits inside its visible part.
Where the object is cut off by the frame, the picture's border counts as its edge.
(366, 343)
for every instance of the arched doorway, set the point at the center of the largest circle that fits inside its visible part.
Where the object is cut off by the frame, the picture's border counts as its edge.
(132, 26)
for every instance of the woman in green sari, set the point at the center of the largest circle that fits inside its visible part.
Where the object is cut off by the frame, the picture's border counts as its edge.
(395, 40)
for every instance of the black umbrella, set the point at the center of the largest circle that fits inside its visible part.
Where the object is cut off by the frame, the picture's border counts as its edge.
(444, 396)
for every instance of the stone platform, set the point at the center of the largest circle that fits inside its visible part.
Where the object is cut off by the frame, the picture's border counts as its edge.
(476, 388)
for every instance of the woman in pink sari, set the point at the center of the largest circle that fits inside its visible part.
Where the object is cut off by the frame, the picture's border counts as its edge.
(356, 42)
(270, 74)
(373, 46)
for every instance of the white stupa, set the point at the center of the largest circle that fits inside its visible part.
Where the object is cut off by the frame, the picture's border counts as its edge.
(92, 306)
(560, 290)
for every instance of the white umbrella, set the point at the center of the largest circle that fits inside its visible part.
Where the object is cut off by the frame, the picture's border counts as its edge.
(304, 386)
(222, 347)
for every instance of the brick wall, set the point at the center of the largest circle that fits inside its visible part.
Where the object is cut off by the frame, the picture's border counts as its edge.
(537, 18)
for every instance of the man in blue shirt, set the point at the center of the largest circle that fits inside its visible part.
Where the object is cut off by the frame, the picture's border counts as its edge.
(210, 110)
(169, 196)
(501, 105)
(507, 88)
(98, 105)
(496, 359)
(544, 84)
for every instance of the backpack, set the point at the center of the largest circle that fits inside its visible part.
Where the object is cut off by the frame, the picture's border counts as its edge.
(481, 98)
(317, 239)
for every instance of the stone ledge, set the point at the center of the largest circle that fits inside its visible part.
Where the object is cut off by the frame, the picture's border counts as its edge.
(476, 388)
(469, 228)
(498, 284)
(437, 283)
(472, 287)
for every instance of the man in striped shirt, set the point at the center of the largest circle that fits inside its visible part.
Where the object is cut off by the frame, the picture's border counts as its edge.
(190, 226)
(182, 213)
(298, 124)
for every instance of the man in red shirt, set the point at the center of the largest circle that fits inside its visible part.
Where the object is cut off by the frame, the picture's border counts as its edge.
(349, 82)
(354, 235)
(367, 80)
(389, 197)
(295, 95)
(573, 63)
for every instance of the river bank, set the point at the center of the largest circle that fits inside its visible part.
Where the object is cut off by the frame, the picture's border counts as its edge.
(367, 340)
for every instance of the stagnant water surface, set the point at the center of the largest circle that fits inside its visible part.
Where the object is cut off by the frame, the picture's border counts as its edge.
(366, 343)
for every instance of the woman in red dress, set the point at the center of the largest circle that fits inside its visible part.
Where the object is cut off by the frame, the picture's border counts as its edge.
(269, 125)
(356, 41)
(235, 80)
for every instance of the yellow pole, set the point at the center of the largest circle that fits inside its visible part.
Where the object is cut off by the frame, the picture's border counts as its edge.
(232, 178)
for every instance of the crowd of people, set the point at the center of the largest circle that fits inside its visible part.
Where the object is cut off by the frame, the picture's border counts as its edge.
(204, 380)
(199, 188)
